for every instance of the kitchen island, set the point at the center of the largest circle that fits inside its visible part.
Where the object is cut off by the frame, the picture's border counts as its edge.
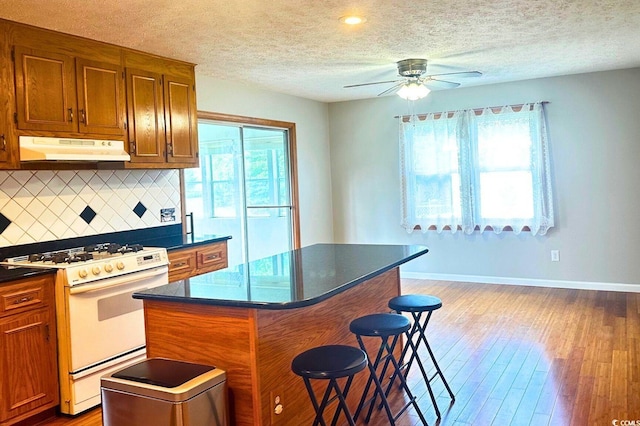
(253, 319)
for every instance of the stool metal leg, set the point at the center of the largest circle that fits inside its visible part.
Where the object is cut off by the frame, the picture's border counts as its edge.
(419, 329)
(340, 395)
(343, 403)
(314, 401)
(389, 357)
(373, 378)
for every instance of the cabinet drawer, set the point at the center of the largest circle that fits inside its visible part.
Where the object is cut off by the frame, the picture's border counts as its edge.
(213, 257)
(26, 294)
(182, 264)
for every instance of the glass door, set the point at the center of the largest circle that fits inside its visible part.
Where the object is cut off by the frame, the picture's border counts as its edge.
(242, 189)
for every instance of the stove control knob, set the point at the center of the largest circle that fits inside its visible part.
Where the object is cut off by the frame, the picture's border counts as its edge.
(82, 273)
(120, 265)
(96, 270)
(108, 267)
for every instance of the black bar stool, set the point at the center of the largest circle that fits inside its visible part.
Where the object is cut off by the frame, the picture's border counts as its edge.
(384, 326)
(417, 304)
(330, 362)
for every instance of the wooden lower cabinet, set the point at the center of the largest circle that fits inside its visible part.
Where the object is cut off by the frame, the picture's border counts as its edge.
(188, 262)
(28, 363)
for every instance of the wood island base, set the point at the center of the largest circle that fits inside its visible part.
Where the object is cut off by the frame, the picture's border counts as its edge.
(256, 346)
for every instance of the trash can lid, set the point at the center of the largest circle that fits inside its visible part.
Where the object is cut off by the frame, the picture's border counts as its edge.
(164, 379)
(167, 373)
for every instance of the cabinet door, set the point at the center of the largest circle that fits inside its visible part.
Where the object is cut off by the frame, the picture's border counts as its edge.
(100, 97)
(45, 90)
(180, 120)
(28, 373)
(146, 116)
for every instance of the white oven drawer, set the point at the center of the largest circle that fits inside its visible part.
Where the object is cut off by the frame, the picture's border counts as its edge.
(104, 320)
(86, 384)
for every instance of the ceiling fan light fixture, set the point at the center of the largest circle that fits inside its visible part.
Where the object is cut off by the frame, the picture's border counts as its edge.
(353, 20)
(413, 90)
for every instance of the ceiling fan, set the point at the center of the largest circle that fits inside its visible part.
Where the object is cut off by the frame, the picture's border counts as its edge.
(415, 83)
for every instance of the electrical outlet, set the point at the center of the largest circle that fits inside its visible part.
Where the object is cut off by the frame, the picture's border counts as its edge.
(277, 407)
(555, 255)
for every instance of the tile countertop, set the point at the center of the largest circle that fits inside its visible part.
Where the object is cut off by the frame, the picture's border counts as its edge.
(9, 275)
(293, 279)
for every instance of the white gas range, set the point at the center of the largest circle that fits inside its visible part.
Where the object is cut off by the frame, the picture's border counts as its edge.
(100, 326)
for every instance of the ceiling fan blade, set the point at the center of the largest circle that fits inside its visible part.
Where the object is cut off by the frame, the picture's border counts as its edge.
(432, 83)
(392, 88)
(369, 84)
(461, 74)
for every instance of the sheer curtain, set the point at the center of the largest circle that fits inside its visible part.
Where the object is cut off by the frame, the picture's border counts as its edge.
(476, 169)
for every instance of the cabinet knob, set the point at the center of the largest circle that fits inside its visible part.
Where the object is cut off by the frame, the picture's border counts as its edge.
(70, 115)
(3, 140)
(83, 116)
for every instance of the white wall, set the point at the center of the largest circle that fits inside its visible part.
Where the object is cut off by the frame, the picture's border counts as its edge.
(594, 124)
(312, 137)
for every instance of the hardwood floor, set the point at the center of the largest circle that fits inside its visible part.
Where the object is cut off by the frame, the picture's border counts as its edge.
(517, 355)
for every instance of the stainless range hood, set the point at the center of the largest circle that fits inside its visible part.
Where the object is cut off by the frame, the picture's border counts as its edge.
(35, 148)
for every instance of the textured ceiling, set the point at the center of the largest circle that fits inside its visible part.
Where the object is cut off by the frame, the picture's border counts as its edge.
(299, 47)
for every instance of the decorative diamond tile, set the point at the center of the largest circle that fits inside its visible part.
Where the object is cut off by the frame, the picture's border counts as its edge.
(4, 223)
(88, 214)
(139, 209)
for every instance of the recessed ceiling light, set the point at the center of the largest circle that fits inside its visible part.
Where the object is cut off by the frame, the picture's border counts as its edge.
(352, 20)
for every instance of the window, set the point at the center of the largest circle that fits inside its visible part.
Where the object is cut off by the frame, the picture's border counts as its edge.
(477, 170)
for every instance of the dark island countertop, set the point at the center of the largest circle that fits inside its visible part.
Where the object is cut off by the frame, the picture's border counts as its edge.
(293, 279)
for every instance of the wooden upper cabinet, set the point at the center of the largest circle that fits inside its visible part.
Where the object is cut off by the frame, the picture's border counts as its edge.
(45, 90)
(100, 97)
(145, 108)
(60, 93)
(180, 120)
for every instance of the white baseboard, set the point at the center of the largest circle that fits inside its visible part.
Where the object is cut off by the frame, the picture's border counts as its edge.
(580, 285)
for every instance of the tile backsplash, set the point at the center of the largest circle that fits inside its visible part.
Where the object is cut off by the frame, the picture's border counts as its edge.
(44, 205)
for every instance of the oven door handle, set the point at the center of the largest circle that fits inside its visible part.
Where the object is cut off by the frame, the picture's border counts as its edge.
(116, 281)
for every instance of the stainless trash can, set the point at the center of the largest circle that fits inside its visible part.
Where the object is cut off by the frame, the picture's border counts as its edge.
(165, 392)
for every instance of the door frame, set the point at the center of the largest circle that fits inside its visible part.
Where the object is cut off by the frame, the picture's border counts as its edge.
(293, 164)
